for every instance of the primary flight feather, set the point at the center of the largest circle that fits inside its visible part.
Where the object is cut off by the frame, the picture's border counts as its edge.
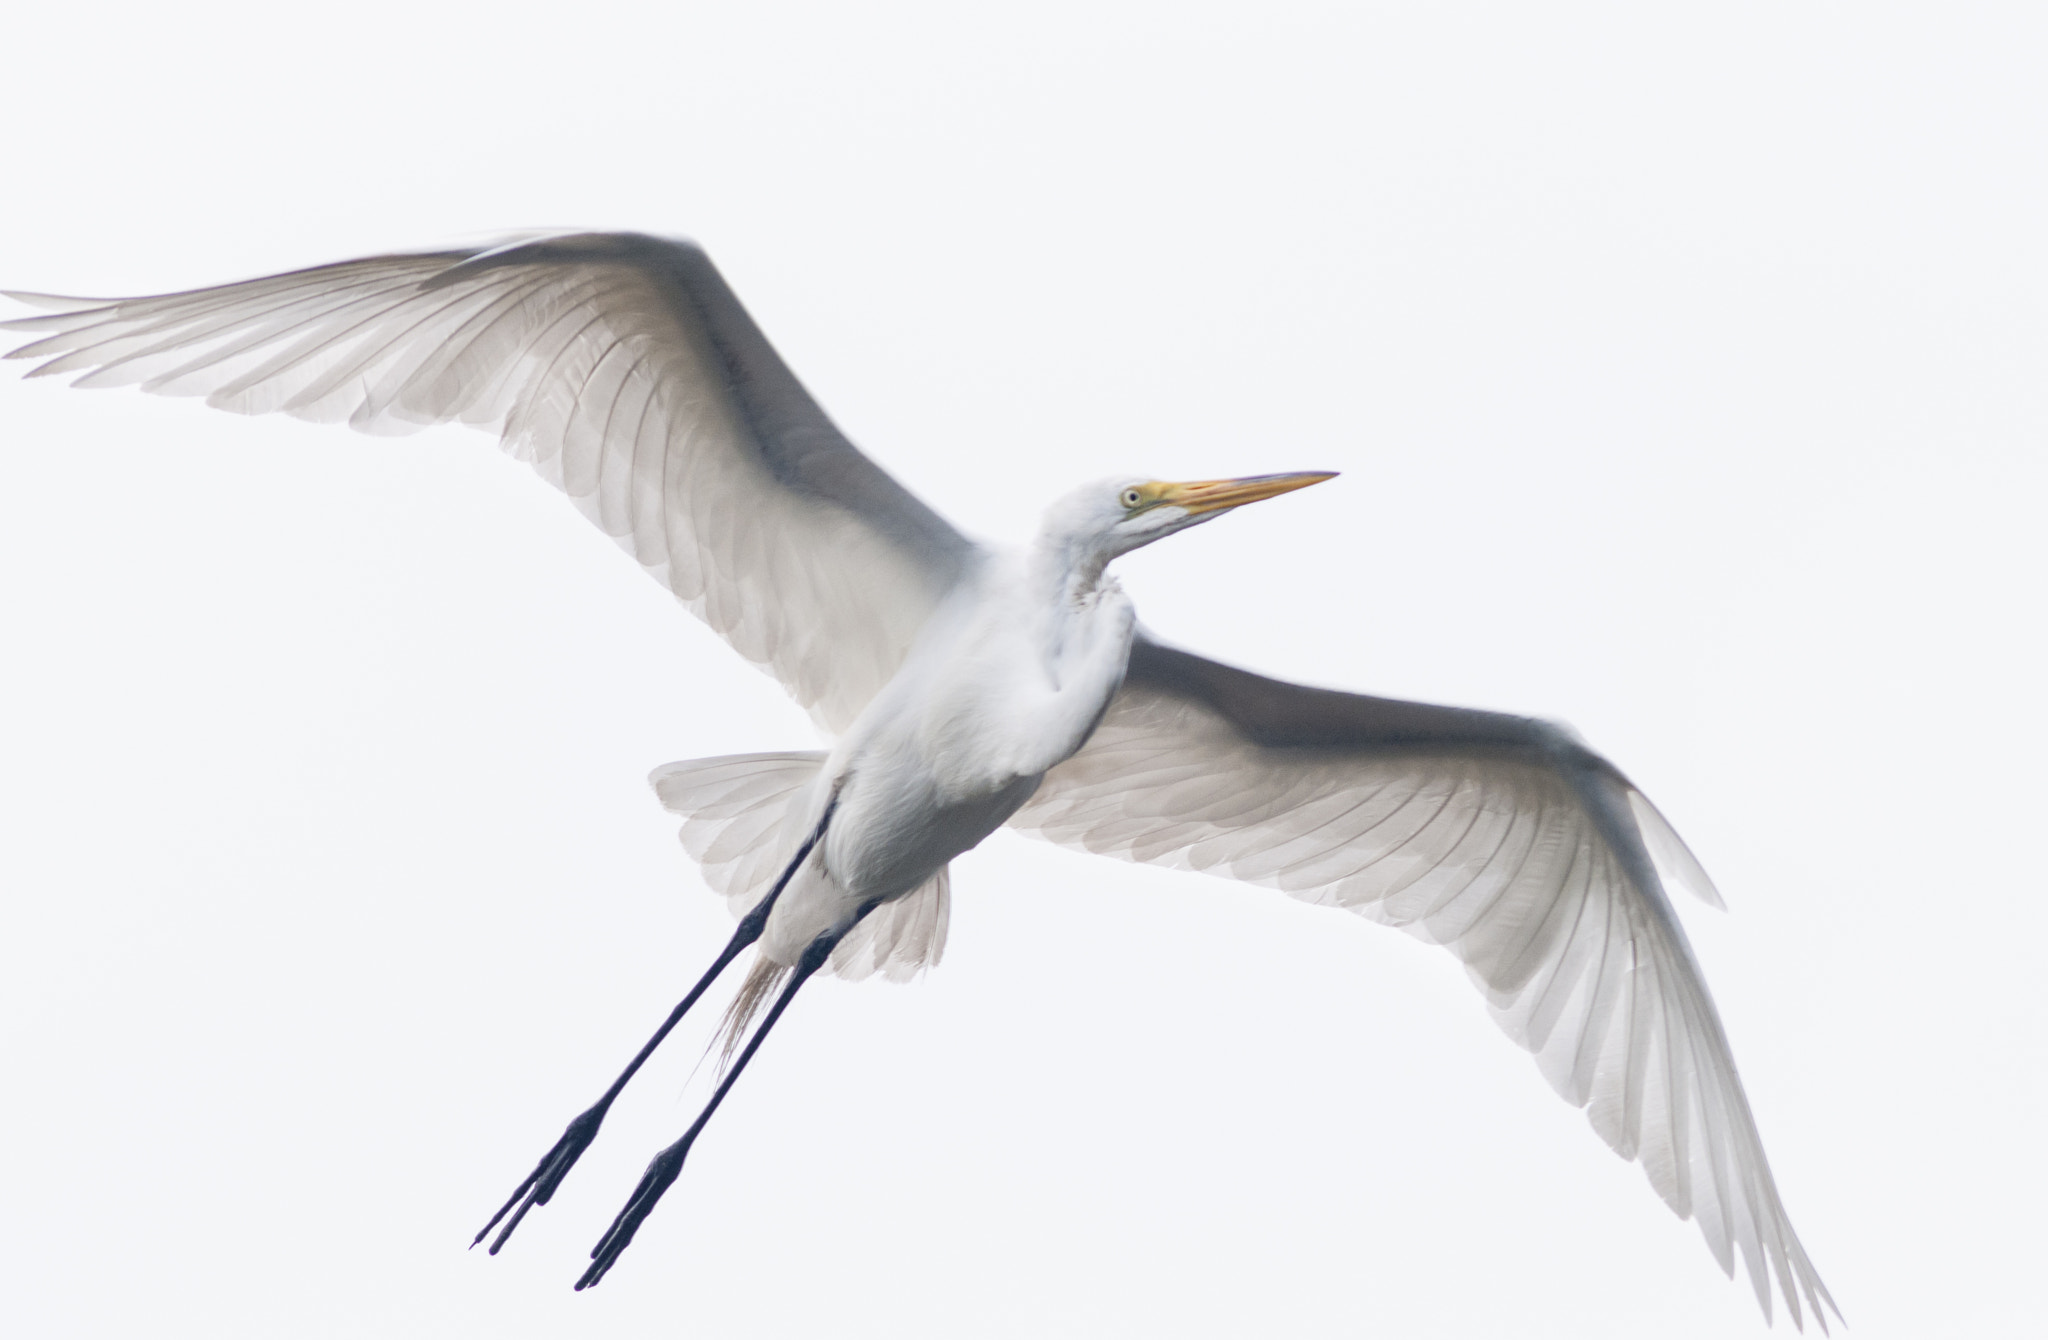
(964, 687)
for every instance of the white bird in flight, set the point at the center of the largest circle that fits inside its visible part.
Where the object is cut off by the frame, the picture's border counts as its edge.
(965, 687)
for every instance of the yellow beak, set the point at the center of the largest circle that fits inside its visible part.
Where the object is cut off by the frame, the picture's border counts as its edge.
(1213, 495)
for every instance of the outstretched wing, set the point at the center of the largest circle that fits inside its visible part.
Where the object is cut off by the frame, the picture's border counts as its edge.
(1502, 839)
(625, 371)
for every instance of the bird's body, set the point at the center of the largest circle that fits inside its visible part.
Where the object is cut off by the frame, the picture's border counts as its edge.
(965, 687)
(1006, 680)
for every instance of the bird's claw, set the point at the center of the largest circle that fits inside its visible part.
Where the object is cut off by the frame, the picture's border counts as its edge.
(660, 1175)
(540, 1184)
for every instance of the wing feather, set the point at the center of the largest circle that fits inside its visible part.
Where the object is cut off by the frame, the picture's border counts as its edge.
(623, 370)
(1500, 838)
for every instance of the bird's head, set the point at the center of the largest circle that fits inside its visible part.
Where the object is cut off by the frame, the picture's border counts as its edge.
(1099, 521)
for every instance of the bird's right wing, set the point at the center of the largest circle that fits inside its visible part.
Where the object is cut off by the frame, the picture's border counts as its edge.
(626, 372)
(1502, 839)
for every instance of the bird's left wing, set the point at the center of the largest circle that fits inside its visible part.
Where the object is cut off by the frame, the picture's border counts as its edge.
(626, 372)
(1499, 837)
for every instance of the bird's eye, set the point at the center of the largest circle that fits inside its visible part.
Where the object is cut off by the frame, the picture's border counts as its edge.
(1132, 497)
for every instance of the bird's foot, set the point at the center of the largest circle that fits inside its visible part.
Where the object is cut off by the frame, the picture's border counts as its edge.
(547, 1175)
(660, 1175)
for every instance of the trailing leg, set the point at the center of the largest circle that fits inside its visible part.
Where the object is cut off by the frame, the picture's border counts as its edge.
(540, 1184)
(668, 1164)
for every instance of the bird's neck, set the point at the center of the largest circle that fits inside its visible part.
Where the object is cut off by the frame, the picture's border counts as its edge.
(1067, 578)
(1074, 599)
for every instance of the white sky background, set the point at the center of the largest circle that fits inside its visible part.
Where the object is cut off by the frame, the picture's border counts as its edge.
(1689, 378)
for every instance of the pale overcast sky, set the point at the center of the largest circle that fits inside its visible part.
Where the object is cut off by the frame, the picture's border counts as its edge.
(1688, 374)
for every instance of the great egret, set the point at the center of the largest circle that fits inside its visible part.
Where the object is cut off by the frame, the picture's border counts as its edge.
(968, 687)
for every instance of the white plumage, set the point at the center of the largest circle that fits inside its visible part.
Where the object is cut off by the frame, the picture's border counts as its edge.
(966, 686)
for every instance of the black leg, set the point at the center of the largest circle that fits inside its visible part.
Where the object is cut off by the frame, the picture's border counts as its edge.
(540, 1184)
(668, 1164)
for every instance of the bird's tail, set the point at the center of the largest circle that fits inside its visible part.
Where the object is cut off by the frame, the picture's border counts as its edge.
(738, 814)
(736, 817)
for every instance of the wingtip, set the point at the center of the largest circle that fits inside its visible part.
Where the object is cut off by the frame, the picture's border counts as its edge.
(48, 302)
